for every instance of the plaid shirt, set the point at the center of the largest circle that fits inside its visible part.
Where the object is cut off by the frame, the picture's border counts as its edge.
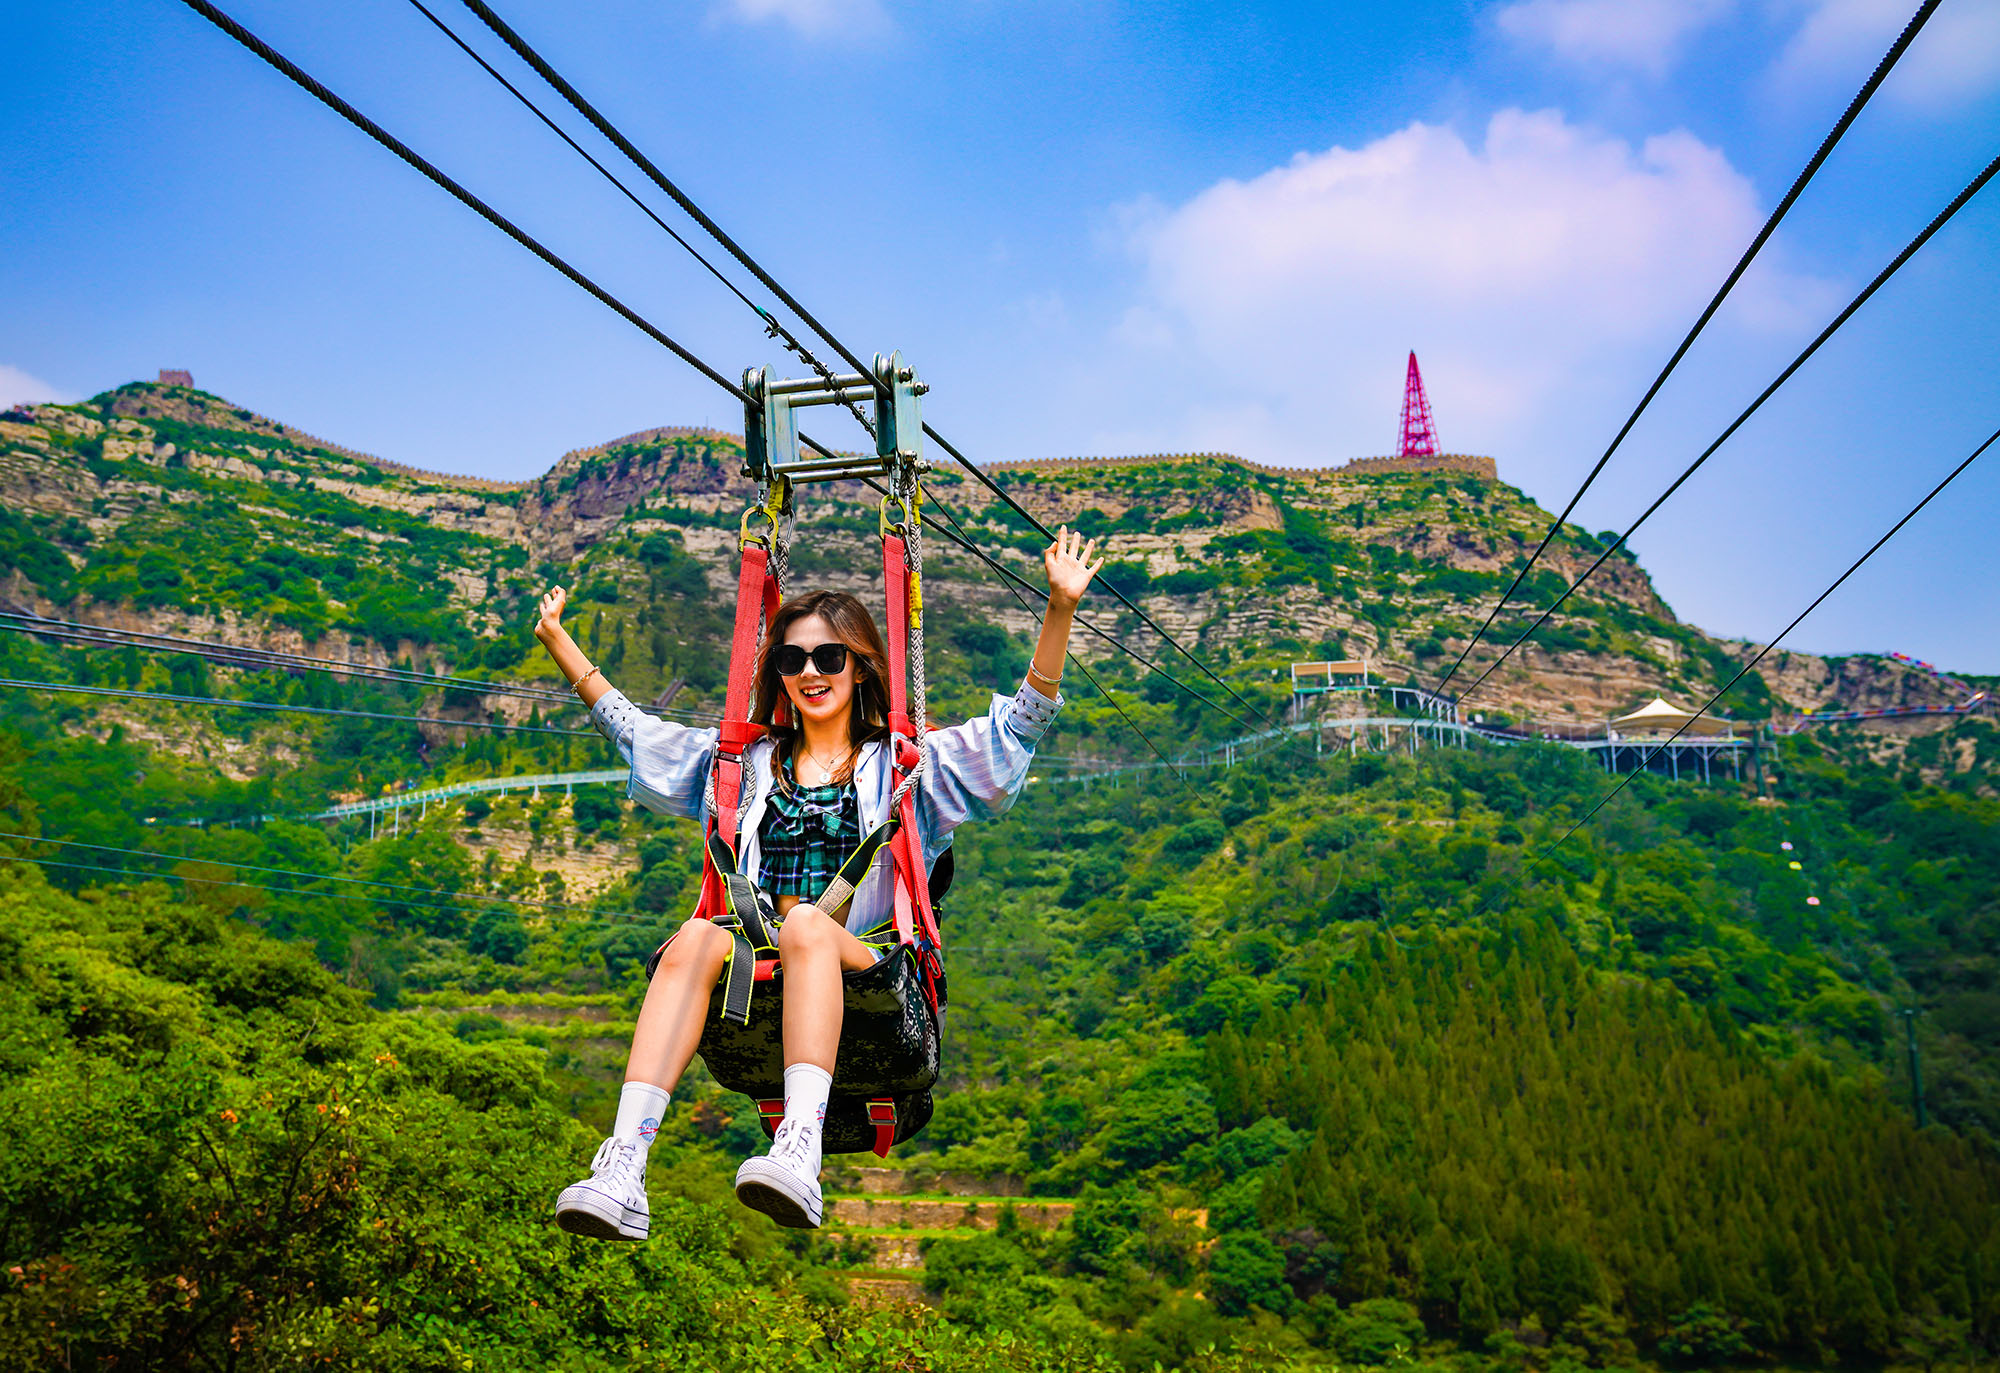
(977, 769)
(807, 834)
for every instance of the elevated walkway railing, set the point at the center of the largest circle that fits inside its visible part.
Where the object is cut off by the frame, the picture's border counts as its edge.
(1060, 768)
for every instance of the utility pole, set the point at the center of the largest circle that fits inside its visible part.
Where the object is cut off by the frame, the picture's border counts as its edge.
(1916, 1066)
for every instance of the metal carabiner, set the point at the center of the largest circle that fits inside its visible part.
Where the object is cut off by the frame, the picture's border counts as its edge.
(776, 504)
(746, 538)
(889, 500)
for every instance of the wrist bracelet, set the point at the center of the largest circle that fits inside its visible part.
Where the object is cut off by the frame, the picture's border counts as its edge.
(1042, 676)
(577, 685)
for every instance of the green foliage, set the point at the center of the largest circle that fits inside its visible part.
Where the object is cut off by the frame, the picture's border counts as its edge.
(26, 546)
(1376, 1331)
(1246, 1271)
(1703, 1337)
(498, 935)
(1640, 1102)
(220, 1157)
(593, 809)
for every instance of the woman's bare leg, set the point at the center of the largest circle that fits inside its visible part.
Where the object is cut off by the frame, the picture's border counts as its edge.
(676, 1005)
(816, 949)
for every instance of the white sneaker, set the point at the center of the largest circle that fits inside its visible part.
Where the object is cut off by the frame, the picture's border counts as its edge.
(610, 1204)
(784, 1184)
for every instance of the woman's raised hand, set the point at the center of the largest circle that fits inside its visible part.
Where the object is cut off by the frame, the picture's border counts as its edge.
(553, 601)
(1069, 565)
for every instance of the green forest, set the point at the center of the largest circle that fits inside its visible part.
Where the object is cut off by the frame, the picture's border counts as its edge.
(1329, 1059)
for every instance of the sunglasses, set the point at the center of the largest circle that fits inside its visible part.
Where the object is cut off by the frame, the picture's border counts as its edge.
(790, 659)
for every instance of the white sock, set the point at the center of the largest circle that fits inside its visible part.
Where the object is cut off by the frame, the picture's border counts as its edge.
(806, 1089)
(641, 1106)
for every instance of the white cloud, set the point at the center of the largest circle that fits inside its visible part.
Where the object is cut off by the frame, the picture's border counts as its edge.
(1518, 270)
(1955, 58)
(1642, 35)
(810, 18)
(18, 388)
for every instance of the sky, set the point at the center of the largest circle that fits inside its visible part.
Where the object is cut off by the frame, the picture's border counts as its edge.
(1094, 228)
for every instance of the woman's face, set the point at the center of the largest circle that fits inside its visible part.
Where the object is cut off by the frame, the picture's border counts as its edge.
(818, 696)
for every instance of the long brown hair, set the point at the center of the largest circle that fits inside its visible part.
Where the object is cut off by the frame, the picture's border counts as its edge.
(853, 626)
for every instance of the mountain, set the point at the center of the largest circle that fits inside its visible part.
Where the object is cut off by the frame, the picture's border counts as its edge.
(1336, 1058)
(170, 507)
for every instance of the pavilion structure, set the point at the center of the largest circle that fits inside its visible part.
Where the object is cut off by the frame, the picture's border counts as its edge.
(1664, 738)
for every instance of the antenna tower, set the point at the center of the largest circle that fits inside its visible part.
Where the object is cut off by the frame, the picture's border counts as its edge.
(1420, 438)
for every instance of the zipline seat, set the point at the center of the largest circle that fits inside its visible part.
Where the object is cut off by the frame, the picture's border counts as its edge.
(890, 1043)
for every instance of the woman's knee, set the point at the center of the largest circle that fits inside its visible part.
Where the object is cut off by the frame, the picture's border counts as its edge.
(806, 930)
(696, 943)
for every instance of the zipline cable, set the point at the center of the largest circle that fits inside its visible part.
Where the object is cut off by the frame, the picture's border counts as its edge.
(264, 886)
(334, 102)
(966, 542)
(1745, 670)
(659, 178)
(258, 659)
(261, 660)
(1868, 88)
(227, 882)
(472, 202)
(1013, 579)
(624, 145)
(772, 326)
(70, 689)
(1944, 217)
(309, 876)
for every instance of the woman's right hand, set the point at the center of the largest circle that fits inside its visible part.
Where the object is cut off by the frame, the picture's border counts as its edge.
(553, 601)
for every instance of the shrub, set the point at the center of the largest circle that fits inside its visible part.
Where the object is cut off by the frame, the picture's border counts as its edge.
(498, 935)
(1195, 840)
(1246, 1270)
(593, 809)
(1373, 1331)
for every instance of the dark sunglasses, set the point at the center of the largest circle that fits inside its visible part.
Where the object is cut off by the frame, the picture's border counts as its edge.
(790, 659)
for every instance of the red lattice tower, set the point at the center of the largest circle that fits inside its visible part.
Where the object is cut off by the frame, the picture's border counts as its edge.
(1420, 438)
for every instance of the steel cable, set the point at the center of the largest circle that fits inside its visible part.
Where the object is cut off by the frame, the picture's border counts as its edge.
(260, 659)
(1944, 216)
(472, 202)
(309, 876)
(960, 537)
(624, 145)
(1784, 206)
(1755, 659)
(222, 702)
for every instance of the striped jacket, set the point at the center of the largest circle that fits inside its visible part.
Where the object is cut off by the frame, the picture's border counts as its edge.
(976, 771)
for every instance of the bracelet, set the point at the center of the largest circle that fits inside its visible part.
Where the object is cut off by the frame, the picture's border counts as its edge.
(577, 685)
(1041, 676)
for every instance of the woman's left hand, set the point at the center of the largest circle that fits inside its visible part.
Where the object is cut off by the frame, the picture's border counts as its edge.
(1069, 565)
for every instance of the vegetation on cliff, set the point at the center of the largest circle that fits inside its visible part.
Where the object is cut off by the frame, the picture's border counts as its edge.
(1334, 1071)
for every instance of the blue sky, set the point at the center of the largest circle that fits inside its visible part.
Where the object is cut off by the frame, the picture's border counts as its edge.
(1095, 228)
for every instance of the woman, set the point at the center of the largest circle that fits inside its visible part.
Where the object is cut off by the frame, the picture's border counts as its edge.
(813, 788)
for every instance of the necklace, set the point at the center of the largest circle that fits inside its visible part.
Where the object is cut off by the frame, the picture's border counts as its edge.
(828, 770)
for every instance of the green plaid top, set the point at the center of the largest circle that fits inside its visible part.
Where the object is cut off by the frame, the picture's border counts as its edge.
(807, 833)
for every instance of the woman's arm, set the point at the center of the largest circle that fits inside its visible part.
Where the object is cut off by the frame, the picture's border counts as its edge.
(670, 762)
(583, 678)
(979, 767)
(1070, 569)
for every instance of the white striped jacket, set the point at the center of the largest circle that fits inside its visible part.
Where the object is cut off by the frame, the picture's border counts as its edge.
(976, 771)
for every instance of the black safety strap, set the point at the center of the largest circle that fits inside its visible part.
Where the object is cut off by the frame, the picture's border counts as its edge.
(743, 916)
(744, 919)
(841, 889)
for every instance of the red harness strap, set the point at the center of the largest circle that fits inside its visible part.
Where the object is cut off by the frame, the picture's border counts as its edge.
(881, 1119)
(756, 604)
